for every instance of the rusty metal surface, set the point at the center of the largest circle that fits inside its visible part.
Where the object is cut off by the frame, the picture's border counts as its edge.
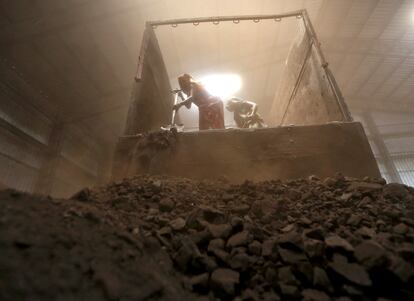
(196, 21)
(274, 153)
(308, 92)
(151, 99)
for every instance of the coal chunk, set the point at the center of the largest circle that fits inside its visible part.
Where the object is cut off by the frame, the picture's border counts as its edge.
(255, 248)
(219, 231)
(289, 291)
(316, 233)
(224, 282)
(239, 239)
(177, 224)
(212, 215)
(338, 243)
(402, 269)
(291, 257)
(314, 295)
(186, 254)
(353, 272)
(396, 191)
(370, 254)
(166, 205)
(314, 248)
(321, 279)
(200, 282)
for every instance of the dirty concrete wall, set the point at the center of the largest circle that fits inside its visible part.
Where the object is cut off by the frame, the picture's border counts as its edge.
(30, 130)
(305, 96)
(273, 153)
(151, 100)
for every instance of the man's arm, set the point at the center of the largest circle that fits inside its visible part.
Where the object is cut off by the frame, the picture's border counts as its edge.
(253, 108)
(186, 103)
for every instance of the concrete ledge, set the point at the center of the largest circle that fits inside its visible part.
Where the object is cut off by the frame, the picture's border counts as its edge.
(262, 154)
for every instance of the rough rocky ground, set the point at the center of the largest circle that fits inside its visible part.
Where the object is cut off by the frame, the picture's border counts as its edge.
(155, 238)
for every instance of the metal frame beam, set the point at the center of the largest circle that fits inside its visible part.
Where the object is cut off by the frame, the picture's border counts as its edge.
(300, 14)
(362, 105)
(21, 134)
(234, 19)
(394, 135)
(329, 75)
(48, 170)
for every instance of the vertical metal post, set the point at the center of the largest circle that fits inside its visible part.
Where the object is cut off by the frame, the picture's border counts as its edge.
(331, 79)
(47, 172)
(298, 80)
(104, 159)
(143, 50)
(382, 148)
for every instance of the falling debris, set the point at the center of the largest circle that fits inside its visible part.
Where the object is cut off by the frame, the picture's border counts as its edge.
(161, 238)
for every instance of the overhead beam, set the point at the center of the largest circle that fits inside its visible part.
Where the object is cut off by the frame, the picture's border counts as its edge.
(15, 160)
(341, 46)
(21, 134)
(394, 135)
(364, 104)
(235, 19)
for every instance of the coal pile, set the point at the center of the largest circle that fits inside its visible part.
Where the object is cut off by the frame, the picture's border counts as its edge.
(159, 238)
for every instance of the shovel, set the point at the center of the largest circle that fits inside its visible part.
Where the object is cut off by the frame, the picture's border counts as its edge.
(173, 126)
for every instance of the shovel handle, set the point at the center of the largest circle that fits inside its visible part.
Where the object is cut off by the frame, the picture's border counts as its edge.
(174, 111)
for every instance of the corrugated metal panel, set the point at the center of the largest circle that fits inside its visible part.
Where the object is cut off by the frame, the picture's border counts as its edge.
(17, 108)
(20, 150)
(17, 175)
(25, 130)
(405, 167)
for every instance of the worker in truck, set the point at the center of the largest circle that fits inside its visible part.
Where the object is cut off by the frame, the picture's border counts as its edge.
(245, 113)
(210, 108)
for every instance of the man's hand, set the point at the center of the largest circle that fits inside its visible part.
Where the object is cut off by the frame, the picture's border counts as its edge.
(177, 106)
(250, 115)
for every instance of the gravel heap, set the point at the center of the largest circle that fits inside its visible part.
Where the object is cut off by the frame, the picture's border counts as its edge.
(159, 238)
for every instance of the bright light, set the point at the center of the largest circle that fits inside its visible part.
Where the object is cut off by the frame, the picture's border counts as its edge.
(222, 85)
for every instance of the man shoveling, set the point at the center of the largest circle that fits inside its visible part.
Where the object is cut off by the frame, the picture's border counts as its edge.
(245, 113)
(211, 115)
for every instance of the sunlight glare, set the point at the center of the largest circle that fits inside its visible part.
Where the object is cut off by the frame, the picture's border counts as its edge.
(222, 85)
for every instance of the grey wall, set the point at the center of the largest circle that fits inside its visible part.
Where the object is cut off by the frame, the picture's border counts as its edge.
(38, 151)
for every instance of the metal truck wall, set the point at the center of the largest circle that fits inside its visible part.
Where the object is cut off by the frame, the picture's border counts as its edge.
(305, 95)
(258, 155)
(151, 99)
